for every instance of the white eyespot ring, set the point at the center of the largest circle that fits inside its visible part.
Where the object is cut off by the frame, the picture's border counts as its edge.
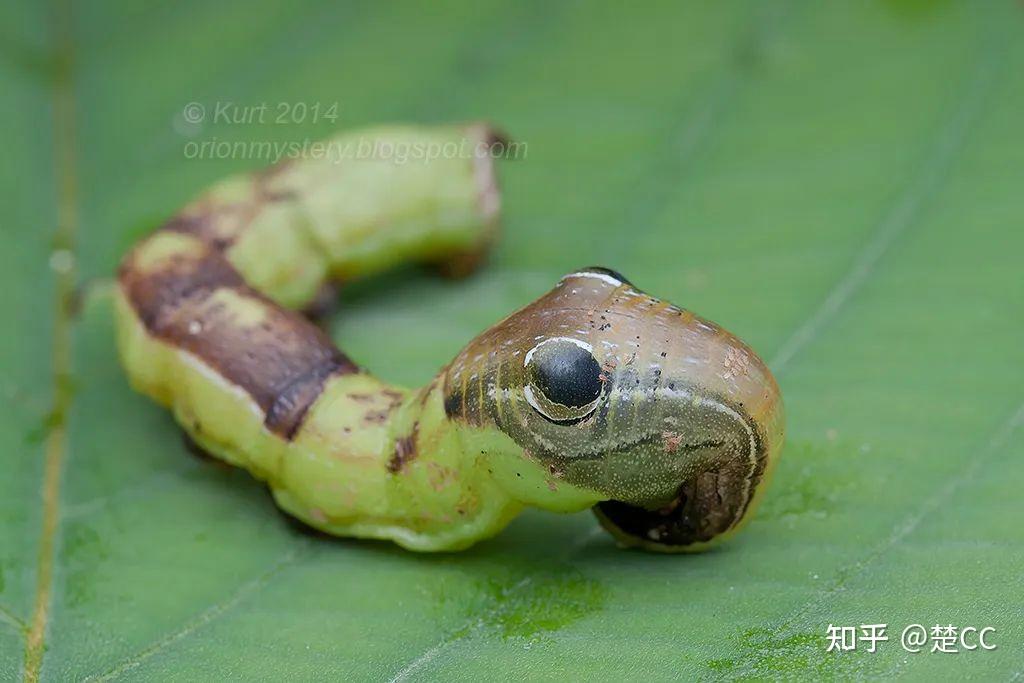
(582, 344)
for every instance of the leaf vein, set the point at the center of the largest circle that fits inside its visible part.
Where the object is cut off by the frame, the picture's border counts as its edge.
(906, 527)
(248, 588)
(11, 619)
(903, 213)
(910, 205)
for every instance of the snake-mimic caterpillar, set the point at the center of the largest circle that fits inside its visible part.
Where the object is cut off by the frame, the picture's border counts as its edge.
(594, 395)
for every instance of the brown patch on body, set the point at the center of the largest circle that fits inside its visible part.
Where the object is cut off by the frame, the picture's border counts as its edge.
(405, 450)
(607, 371)
(671, 441)
(393, 397)
(376, 417)
(440, 476)
(182, 277)
(220, 224)
(280, 359)
(380, 404)
(287, 412)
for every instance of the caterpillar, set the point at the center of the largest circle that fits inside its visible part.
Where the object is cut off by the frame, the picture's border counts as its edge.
(596, 395)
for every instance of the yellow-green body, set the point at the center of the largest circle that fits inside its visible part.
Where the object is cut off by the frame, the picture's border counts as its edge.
(202, 329)
(334, 475)
(338, 221)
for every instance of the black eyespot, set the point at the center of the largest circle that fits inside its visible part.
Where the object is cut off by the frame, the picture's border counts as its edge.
(607, 271)
(568, 375)
(563, 380)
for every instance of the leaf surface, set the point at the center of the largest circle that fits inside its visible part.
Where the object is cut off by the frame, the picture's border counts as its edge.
(837, 183)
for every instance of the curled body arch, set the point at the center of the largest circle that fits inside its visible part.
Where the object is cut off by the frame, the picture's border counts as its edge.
(595, 395)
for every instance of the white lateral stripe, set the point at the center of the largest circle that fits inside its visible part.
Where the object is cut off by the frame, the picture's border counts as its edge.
(202, 368)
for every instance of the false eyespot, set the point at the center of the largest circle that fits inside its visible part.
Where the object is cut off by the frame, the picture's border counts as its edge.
(563, 379)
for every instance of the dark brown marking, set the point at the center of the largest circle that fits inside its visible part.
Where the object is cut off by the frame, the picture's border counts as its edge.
(704, 506)
(289, 410)
(282, 361)
(208, 220)
(453, 404)
(376, 417)
(425, 393)
(405, 450)
(183, 277)
(672, 441)
(202, 224)
(393, 397)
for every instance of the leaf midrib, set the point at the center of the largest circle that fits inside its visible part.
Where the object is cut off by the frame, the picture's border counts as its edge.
(65, 167)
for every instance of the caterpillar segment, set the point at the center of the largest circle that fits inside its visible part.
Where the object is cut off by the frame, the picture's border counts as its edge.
(595, 395)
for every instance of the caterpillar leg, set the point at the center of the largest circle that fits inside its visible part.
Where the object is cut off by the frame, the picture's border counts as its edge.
(460, 264)
(323, 305)
(198, 451)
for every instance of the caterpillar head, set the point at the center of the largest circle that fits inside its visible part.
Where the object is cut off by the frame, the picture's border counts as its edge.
(672, 422)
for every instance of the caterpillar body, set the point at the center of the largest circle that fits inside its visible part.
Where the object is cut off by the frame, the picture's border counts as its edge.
(595, 395)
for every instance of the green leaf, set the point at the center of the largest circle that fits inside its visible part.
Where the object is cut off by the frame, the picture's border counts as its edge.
(838, 183)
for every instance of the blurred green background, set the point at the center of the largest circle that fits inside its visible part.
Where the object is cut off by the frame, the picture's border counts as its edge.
(839, 183)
